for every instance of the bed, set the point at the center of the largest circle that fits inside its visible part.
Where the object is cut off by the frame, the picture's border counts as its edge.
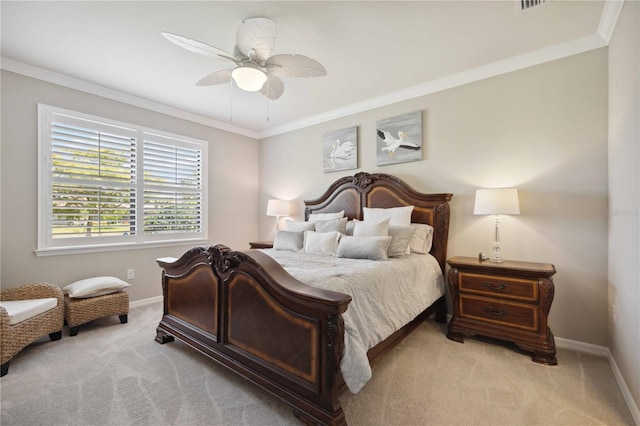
(242, 309)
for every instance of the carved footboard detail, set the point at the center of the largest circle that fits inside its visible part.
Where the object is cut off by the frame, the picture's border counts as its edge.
(257, 320)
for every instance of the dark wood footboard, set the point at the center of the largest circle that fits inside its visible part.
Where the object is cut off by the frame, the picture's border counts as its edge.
(244, 311)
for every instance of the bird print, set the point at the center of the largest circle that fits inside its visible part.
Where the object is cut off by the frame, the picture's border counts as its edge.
(340, 152)
(402, 141)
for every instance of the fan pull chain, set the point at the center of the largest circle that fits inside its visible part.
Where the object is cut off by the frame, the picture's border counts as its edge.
(231, 102)
(267, 100)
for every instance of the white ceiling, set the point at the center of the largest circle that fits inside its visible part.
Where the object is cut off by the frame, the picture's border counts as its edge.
(373, 51)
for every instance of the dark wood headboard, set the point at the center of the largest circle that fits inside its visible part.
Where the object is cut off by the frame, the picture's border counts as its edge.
(379, 190)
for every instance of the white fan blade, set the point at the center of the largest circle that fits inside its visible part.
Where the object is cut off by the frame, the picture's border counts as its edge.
(218, 77)
(256, 38)
(198, 47)
(273, 88)
(295, 66)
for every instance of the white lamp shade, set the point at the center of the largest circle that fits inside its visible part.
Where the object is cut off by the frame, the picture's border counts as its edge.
(278, 208)
(249, 78)
(496, 201)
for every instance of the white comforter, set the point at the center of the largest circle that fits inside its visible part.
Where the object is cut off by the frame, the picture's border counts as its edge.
(386, 296)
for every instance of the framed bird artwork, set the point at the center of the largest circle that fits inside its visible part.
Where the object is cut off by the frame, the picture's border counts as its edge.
(340, 150)
(399, 139)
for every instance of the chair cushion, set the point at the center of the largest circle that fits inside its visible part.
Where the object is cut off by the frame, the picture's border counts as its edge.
(20, 310)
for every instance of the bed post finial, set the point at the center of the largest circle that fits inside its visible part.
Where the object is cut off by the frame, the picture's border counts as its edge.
(223, 258)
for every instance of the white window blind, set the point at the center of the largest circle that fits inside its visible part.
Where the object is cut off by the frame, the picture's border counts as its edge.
(111, 183)
(93, 189)
(172, 185)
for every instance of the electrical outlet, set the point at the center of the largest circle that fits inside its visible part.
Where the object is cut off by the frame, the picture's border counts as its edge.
(131, 274)
(613, 313)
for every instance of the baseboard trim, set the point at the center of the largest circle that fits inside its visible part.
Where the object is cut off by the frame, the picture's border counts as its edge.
(145, 302)
(633, 407)
(575, 345)
(605, 352)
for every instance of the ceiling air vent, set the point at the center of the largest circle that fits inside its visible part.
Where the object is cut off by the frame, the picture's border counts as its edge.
(528, 4)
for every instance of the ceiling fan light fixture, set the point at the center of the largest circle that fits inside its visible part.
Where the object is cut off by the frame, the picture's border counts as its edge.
(254, 63)
(249, 78)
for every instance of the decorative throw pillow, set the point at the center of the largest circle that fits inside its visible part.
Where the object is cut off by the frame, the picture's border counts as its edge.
(299, 226)
(314, 217)
(372, 248)
(350, 225)
(400, 239)
(288, 240)
(96, 286)
(321, 242)
(371, 229)
(339, 225)
(422, 238)
(398, 216)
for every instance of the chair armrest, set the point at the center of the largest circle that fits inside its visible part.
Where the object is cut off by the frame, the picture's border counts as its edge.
(4, 322)
(33, 291)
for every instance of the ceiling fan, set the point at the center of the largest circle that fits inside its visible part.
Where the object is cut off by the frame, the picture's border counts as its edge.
(255, 70)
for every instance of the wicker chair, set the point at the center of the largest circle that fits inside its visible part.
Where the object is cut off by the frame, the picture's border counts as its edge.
(13, 338)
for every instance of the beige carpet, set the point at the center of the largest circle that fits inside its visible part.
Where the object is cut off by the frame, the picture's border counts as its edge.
(114, 374)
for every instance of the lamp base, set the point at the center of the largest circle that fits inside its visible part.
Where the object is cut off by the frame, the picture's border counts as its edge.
(496, 256)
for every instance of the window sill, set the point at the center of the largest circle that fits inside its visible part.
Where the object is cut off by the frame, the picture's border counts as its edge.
(59, 251)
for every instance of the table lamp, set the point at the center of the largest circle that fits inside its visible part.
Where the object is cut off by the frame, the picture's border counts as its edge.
(278, 208)
(496, 201)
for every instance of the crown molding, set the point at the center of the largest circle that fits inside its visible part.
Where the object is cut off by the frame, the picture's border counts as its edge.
(606, 27)
(609, 19)
(514, 63)
(95, 89)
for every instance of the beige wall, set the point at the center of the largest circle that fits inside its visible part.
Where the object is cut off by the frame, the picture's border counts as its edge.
(624, 196)
(541, 129)
(233, 189)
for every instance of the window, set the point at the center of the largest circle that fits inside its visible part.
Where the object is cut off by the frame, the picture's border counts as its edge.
(108, 184)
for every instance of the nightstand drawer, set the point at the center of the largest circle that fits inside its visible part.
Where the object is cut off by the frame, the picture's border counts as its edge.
(506, 313)
(491, 285)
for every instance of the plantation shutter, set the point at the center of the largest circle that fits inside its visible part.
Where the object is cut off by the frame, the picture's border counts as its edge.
(107, 185)
(173, 187)
(93, 179)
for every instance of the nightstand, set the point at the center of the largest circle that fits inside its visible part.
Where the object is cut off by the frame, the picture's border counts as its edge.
(261, 244)
(508, 301)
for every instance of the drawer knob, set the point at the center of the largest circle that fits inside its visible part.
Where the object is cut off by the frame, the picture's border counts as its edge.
(493, 286)
(495, 311)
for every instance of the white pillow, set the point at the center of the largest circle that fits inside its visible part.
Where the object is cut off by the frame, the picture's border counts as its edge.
(398, 216)
(350, 225)
(298, 226)
(339, 225)
(400, 240)
(288, 240)
(371, 229)
(313, 217)
(96, 286)
(373, 248)
(321, 242)
(422, 238)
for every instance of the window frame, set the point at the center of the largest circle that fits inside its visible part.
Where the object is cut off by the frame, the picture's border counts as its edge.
(47, 245)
